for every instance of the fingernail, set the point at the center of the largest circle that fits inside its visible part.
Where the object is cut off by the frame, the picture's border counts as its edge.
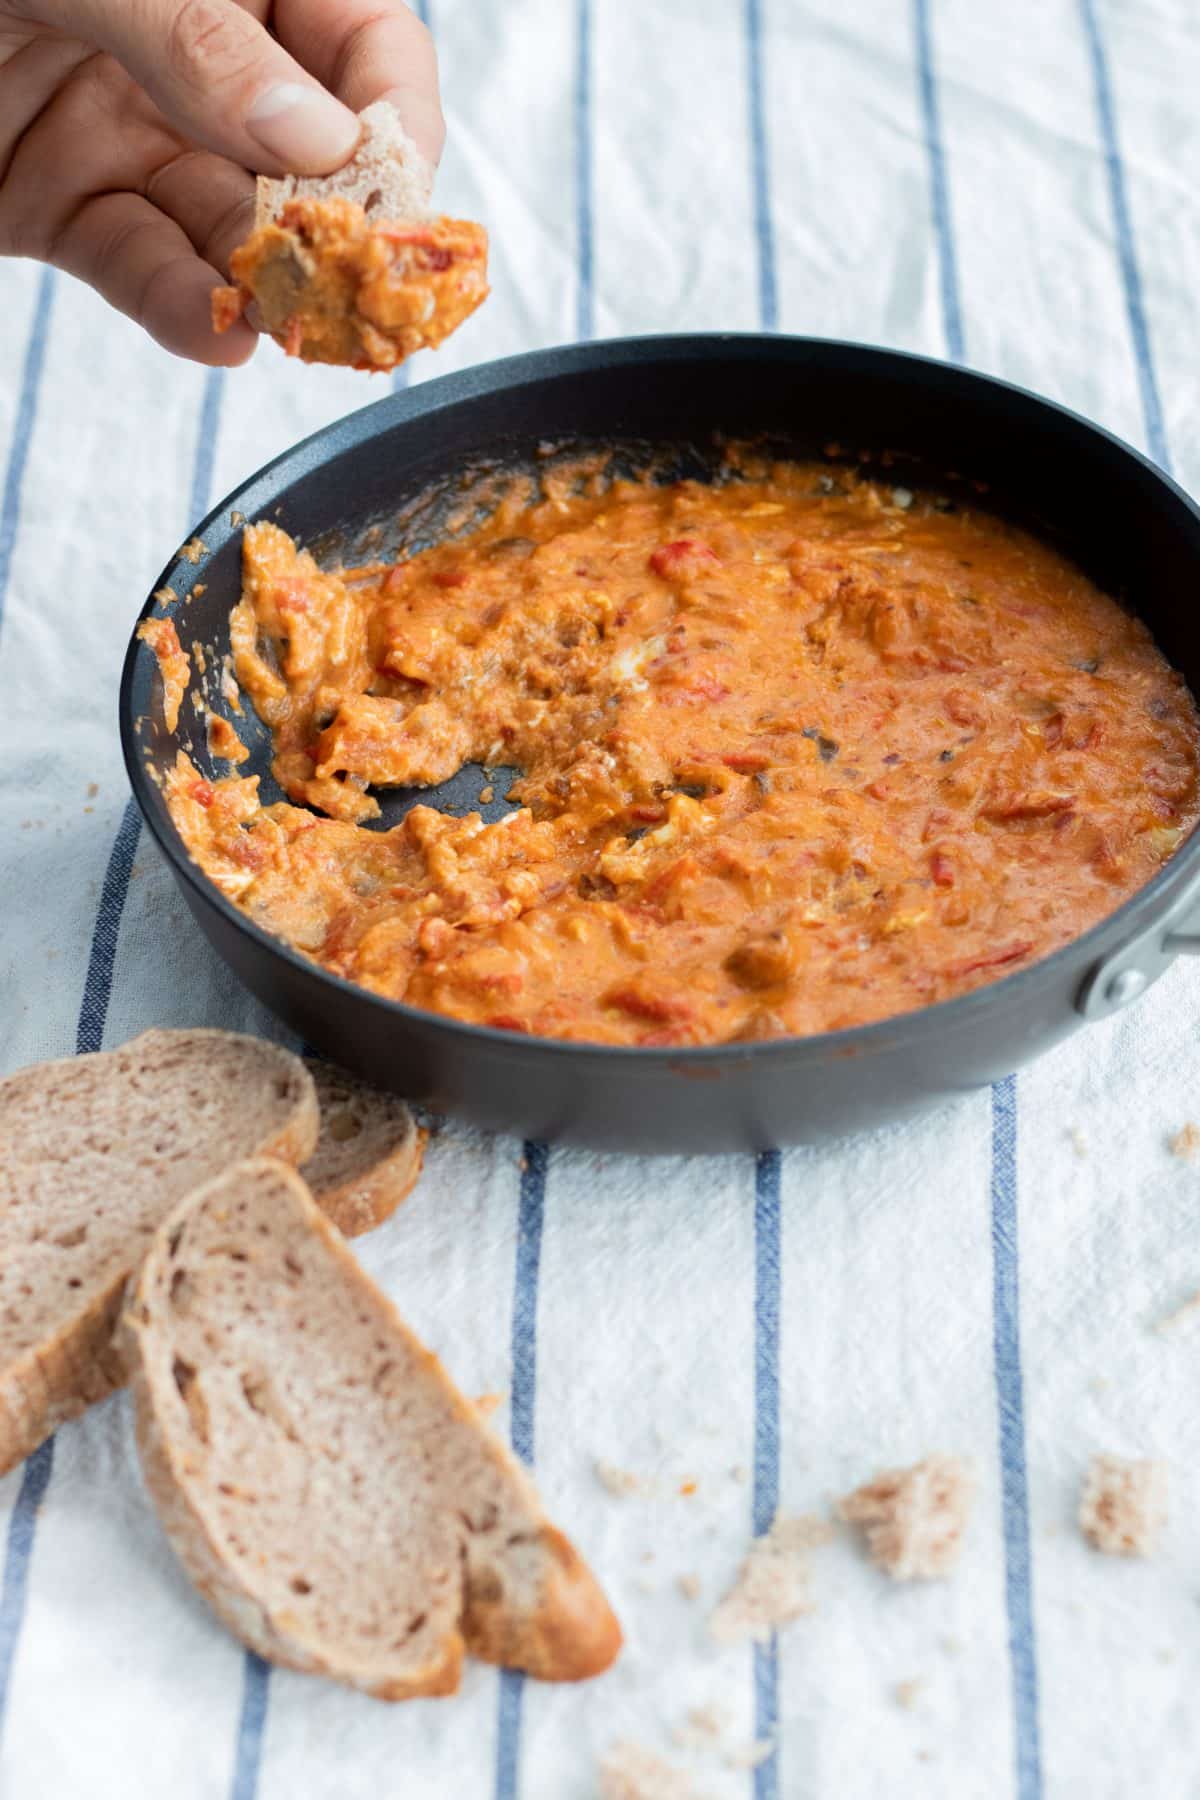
(308, 130)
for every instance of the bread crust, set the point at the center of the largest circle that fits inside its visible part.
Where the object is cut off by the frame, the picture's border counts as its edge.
(369, 1195)
(569, 1635)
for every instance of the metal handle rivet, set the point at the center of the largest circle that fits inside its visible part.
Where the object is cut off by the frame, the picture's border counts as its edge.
(1124, 986)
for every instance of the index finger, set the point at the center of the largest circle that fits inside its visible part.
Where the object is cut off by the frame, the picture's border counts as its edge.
(364, 50)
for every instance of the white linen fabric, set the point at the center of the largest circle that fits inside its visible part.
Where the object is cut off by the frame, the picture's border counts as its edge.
(1014, 185)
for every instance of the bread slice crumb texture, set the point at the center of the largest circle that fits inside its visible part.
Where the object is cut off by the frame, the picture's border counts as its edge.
(334, 1497)
(94, 1152)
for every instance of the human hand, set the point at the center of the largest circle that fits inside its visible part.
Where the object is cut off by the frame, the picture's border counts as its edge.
(128, 130)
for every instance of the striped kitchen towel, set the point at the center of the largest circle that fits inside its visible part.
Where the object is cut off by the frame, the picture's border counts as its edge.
(1013, 185)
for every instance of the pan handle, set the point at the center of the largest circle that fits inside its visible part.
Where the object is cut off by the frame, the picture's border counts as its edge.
(1128, 972)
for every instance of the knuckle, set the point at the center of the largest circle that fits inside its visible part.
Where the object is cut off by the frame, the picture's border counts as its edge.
(210, 42)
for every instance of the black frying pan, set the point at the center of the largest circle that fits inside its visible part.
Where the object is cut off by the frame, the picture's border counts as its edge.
(389, 475)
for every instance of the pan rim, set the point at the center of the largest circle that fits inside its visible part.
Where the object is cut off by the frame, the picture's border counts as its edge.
(1135, 915)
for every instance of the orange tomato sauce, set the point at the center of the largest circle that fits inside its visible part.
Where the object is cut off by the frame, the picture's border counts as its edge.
(798, 752)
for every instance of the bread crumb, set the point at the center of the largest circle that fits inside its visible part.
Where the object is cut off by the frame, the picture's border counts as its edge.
(647, 1556)
(629, 1772)
(740, 1473)
(193, 550)
(914, 1518)
(706, 1725)
(201, 587)
(486, 1404)
(93, 788)
(236, 519)
(487, 795)
(952, 1645)
(772, 1584)
(1078, 1141)
(1181, 1315)
(1124, 1505)
(620, 1482)
(750, 1756)
(689, 1586)
(1185, 1143)
(687, 1488)
(907, 1693)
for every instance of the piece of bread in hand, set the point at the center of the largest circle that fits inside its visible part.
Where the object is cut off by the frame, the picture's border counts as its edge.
(332, 1495)
(368, 1155)
(351, 268)
(94, 1153)
(387, 175)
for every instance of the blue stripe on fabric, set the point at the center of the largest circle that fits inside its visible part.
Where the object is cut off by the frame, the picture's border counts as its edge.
(1010, 1407)
(1006, 1353)
(530, 1214)
(1139, 330)
(18, 457)
(939, 183)
(206, 444)
(89, 1036)
(97, 983)
(252, 1724)
(767, 1256)
(18, 1555)
(585, 300)
(764, 233)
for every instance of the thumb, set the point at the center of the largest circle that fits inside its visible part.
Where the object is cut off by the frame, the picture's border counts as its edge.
(220, 78)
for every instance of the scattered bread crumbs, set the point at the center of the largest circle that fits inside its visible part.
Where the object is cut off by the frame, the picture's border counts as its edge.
(706, 1726)
(621, 1482)
(630, 1773)
(201, 587)
(486, 1404)
(1124, 1505)
(914, 1518)
(687, 1487)
(1185, 1143)
(1182, 1315)
(523, 1165)
(193, 550)
(772, 1584)
(93, 788)
(165, 597)
(689, 1586)
(487, 795)
(647, 1556)
(740, 1473)
(750, 1756)
(1078, 1141)
(907, 1693)
(236, 519)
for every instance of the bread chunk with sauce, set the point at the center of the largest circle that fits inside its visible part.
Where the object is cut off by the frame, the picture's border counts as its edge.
(352, 268)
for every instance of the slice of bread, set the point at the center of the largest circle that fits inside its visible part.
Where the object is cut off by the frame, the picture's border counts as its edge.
(94, 1153)
(368, 1155)
(329, 1491)
(387, 175)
